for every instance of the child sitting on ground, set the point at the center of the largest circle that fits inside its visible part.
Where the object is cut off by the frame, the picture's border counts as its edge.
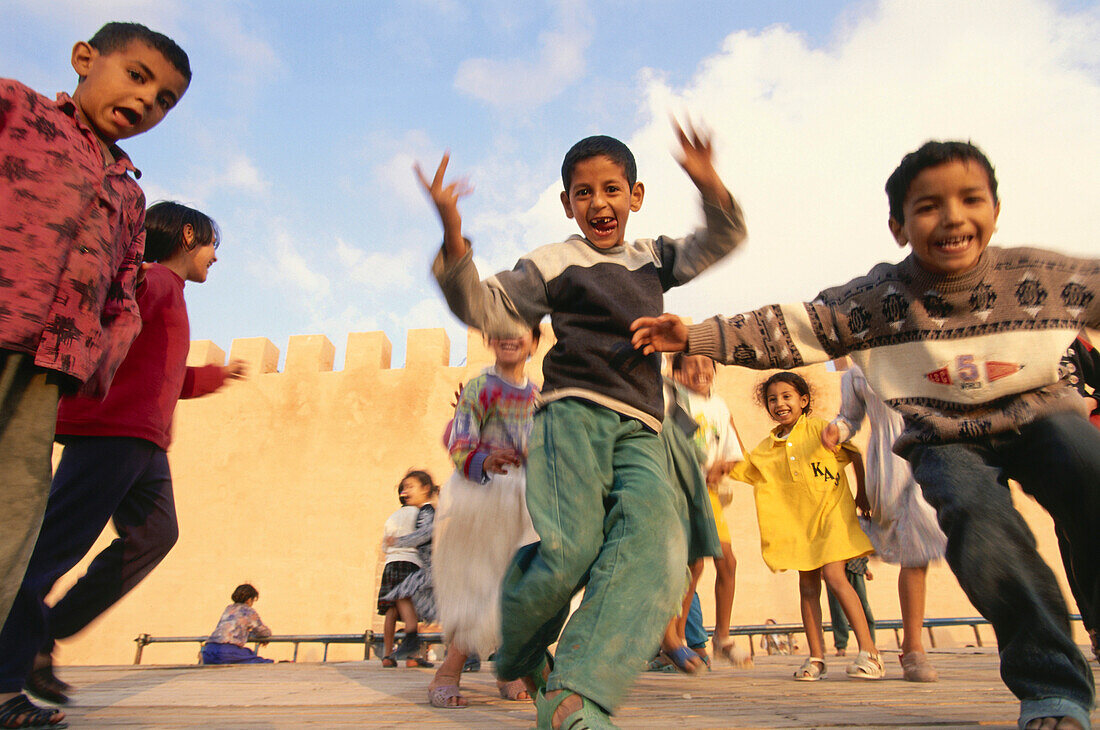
(69, 268)
(238, 625)
(597, 485)
(964, 340)
(807, 517)
(401, 562)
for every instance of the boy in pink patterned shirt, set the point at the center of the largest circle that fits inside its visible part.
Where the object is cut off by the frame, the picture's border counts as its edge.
(71, 241)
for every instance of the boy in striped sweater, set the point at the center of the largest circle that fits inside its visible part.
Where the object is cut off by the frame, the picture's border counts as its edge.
(964, 340)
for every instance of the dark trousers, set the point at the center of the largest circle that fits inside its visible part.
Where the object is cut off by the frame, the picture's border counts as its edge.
(99, 480)
(993, 554)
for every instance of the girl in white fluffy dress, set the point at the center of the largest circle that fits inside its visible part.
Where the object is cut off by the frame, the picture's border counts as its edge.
(483, 514)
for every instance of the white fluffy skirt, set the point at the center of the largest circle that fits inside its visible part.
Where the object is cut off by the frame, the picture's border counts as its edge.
(477, 531)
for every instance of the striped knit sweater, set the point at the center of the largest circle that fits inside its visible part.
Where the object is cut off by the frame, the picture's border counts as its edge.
(959, 357)
(592, 296)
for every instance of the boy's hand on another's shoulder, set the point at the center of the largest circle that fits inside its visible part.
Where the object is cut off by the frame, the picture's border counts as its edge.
(830, 437)
(666, 333)
(445, 197)
(697, 158)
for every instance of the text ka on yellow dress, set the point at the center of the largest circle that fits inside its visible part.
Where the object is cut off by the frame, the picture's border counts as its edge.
(806, 511)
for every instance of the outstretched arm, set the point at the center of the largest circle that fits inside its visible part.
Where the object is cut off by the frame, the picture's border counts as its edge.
(445, 197)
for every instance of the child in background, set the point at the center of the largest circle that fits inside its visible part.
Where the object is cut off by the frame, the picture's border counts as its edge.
(597, 485)
(808, 519)
(778, 643)
(114, 467)
(413, 596)
(482, 514)
(858, 573)
(718, 447)
(901, 524)
(964, 340)
(69, 267)
(238, 625)
(401, 562)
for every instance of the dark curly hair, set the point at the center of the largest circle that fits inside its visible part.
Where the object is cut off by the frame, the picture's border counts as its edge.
(244, 592)
(794, 380)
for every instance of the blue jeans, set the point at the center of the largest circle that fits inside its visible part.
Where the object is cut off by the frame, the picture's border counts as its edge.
(694, 631)
(992, 552)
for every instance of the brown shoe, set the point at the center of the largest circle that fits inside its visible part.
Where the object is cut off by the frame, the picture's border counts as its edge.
(915, 667)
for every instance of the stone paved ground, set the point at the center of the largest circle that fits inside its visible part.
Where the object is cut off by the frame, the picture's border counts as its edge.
(362, 694)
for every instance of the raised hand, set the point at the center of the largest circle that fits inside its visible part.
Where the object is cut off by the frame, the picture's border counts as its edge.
(445, 196)
(696, 157)
(666, 333)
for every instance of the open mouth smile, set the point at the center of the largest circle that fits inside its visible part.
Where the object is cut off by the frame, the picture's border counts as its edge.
(954, 244)
(604, 225)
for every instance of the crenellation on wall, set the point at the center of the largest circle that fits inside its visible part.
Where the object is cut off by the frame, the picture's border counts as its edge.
(259, 354)
(427, 348)
(309, 354)
(204, 352)
(367, 350)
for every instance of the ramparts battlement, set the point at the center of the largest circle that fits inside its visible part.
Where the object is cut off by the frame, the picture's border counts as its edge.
(424, 348)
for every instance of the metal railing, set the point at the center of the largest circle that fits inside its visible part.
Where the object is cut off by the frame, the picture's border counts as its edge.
(371, 639)
(930, 624)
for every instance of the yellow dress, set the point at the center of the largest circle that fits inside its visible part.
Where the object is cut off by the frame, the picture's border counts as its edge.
(806, 511)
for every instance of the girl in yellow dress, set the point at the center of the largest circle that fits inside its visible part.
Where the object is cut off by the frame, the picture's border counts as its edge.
(807, 517)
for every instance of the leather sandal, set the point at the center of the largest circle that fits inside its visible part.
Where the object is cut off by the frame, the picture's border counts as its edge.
(19, 712)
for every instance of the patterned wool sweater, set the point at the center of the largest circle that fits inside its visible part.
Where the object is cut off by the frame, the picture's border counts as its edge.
(959, 356)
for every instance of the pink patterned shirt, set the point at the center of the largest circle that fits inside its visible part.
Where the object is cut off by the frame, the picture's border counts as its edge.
(71, 240)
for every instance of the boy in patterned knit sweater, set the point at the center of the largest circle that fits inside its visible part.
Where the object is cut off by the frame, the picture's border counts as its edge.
(964, 341)
(597, 484)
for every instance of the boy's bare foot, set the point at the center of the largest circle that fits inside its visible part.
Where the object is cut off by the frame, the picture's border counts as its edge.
(841, 652)
(568, 706)
(1054, 723)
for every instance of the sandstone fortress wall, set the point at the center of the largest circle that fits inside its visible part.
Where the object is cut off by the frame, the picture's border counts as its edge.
(284, 480)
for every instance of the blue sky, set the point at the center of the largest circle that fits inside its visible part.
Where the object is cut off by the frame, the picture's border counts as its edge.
(303, 119)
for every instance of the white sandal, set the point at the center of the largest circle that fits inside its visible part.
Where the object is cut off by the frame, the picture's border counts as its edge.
(811, 670)
(866, 666)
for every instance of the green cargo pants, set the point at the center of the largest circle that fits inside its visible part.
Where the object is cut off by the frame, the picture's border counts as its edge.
(609, 521)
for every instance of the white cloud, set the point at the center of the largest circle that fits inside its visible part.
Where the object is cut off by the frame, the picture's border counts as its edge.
(394, 177)
(241, 174)
(806, 137)
(290, 268)
(380, 272)
(525, 83)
